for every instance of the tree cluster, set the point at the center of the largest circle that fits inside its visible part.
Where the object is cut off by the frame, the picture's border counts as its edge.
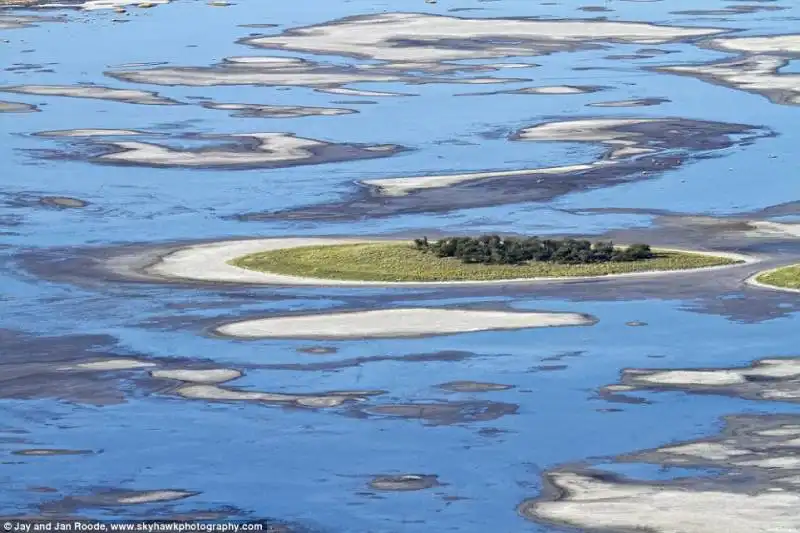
(496, 250)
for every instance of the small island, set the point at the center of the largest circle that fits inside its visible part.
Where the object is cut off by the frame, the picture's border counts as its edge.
(784, 278)
(483, 258)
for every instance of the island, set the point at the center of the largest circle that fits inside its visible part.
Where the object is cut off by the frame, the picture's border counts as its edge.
(482, 258)
(785, 278)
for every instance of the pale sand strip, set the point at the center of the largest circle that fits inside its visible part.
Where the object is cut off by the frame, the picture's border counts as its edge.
(589, 502)
(770, 44)
(396, 323)
(608, 132)
(90, 133)
(209, 262)
(205, 377)
(155, 496)
(110, 365)
(403, 186)
(765, 228)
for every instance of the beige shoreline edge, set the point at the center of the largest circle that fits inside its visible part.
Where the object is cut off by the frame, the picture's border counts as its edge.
(209, 263)
(753, 281)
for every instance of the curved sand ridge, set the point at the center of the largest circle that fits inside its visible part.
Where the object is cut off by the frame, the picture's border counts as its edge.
(612, 133)
(753, 280)
(209, 262)
(622, 138)
(777, 230)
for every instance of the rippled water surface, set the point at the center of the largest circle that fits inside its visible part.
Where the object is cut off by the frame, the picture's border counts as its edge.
(124, 130)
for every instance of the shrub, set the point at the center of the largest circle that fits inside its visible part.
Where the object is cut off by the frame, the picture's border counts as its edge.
(496, 250)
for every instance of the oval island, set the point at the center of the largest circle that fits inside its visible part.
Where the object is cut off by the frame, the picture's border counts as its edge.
(487, 258)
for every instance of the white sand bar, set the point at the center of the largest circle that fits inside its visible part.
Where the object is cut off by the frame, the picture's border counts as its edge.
(554, 89)
(765, 228)
(254, 149)
(396, 323)
(756, 73)
(771, 44)
(272, 148)
(94, 5)
(213, 375)
(209, 262)
(694, 377)
(110, 364)
(379, 36)
(621, 144)
(277, 111)
(776, 369)
(16, 107)
(90, 133)
(130, 96)
(155, 496)
(596, 504)
(403, 186)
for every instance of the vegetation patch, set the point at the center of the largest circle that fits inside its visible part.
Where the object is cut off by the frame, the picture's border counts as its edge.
(496, 250)
(416, 262)
(785, 278)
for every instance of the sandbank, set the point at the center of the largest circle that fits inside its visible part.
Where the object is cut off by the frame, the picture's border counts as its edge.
(426, 38)
(591, 502)
(756, 70)
(209, 376)
(130, 96)
(325, 399)
(764, 379)
(276, 111)
(388, 323)
(234, 151)
(17, 107)
(91, 133)
(155, 496)
(622, 139)
(110, 364)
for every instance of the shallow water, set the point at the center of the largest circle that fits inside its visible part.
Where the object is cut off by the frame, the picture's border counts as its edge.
(311, 467)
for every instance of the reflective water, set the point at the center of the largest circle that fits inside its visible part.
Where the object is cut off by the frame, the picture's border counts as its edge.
(311, 467)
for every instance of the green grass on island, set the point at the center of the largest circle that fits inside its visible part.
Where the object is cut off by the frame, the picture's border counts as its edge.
(785, 278)
(401, 261)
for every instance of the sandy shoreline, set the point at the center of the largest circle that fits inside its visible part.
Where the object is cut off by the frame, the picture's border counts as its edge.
(209, 263)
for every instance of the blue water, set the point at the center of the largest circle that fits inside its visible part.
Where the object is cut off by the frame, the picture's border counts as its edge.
(312, 467)
(792, 68)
